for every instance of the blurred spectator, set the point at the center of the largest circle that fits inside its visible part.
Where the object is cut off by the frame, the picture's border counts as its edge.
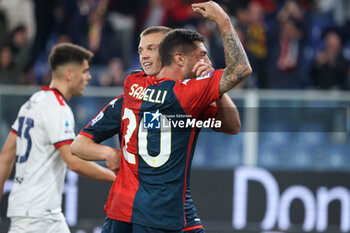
(64, 11)
(269, 5)
(95, 33)
(291, 10)
(44, 17)
(289, 44)
(3, 28)
(255, 34)
(285, 69)
(281, 45)
(20, 12)
(15, 58)
(180, 12)
(9, 74)
(250, 21)
(20, 46)
(123, 16)
(115, 74)
(53, 18)
(335, 8)
(233, 6)
(330, 69)
(154, 14)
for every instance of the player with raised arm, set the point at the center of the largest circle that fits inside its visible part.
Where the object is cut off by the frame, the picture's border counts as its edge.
(148, 193)
(107, 123)
(39, 147)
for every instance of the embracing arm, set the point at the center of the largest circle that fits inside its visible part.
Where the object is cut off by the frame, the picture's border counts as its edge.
(7, 160)
(106, 125)
(85, 148)
(237, 64)
(227, 110)
(229, 115)
(85, 168)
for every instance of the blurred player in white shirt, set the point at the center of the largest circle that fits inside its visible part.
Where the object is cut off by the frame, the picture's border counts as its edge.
(39, 146)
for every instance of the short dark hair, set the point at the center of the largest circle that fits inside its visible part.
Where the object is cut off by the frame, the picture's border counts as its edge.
(65, 53)
(178, 40)
(155, 29)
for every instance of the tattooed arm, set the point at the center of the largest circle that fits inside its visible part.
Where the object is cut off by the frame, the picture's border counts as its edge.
(237, 64)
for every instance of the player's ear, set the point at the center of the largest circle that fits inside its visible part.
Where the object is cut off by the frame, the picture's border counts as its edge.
(179, 58)
(68, 73)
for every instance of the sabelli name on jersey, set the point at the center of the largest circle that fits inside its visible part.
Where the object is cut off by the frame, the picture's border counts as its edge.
(148, 94)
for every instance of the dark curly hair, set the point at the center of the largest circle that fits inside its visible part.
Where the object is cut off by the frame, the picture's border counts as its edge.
(178, 40)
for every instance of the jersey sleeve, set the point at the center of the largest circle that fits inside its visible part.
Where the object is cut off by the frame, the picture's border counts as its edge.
(59, 124)
(209, 111)
(14, 127)
(107, 123)
(196, 94)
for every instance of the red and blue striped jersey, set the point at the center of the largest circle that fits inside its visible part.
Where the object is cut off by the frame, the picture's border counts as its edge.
(150, 187)
(107, 123)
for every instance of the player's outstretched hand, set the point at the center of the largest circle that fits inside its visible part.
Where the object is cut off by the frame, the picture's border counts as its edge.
(201, 68)
(210, 10)
(113, 160)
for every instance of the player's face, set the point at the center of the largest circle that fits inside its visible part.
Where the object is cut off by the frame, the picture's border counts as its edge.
(197, 55)
(148, 53)
(80, 78)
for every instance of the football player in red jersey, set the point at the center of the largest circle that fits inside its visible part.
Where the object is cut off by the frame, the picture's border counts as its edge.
(108, 121)
(238, 68)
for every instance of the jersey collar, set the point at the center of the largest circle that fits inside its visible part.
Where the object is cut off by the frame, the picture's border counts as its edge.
(57, 93)
(154, 81)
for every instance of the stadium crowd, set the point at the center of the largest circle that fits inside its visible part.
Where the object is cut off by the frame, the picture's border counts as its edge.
(291, 44)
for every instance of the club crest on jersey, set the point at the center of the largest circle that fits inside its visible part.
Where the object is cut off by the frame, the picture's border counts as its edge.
(151, 120)
(96, 119)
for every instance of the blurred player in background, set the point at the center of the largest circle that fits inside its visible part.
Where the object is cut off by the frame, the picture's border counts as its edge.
(148, 193)
(39, 146)
(108, 121)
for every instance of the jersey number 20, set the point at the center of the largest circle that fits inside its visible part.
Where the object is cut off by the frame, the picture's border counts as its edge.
(165, 142)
